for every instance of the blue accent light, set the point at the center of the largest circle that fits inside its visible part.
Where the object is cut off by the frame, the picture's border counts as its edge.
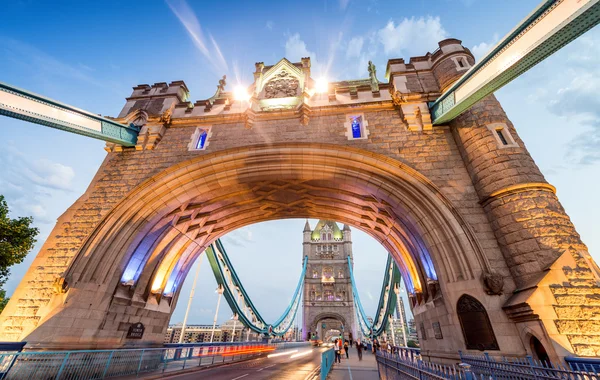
(140, 256)
(202, 140)
(356, 132)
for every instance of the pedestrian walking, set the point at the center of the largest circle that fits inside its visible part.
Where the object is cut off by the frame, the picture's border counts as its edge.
(346, 348)
(338, 349)
(359, 348)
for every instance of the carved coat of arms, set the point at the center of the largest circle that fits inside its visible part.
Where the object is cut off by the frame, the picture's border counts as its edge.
(282, 85)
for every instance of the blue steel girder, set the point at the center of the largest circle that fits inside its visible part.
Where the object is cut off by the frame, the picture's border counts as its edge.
(25, 105)
(238, 299)
(387, 299)
(551, 26)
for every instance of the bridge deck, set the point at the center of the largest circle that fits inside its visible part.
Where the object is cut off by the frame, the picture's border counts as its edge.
(352, 368)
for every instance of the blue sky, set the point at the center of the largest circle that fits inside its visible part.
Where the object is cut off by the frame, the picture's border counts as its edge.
(90, 54)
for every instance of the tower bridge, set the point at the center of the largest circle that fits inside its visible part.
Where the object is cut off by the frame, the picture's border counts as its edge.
(426, 162)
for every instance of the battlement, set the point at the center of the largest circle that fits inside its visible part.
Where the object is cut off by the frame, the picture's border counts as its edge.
(157, 98)
(287, 87)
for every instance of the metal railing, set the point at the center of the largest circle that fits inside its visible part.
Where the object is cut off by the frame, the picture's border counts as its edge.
(401, 365)
(526, 368)
(101, 364)
(394, 366)
(327, 359)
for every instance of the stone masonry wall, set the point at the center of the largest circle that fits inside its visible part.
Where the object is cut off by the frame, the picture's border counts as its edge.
(433, 153)
(530, 224)
(578, 306)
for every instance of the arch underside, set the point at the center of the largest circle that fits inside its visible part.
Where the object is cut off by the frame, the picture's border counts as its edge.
(149, 241)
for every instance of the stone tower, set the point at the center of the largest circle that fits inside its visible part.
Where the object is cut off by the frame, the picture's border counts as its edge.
(327, 303)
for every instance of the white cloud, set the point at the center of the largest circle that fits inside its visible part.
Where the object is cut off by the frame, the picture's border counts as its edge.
(240, 237)
(269, 25)
(481, 49)
(354, 47)
(295, 49)
(412, 36)
(188, 19)
(572, 94)
(29, 185)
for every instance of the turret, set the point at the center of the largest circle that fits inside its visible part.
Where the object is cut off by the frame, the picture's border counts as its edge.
(450, 62)
(306, 239)
(155, 99)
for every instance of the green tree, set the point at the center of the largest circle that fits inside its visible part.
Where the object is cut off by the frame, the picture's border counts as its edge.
(17, 238)
(412, 343)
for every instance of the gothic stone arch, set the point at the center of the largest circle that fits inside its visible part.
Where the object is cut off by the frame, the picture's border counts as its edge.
(202, 199)
(458, 212)
(333, 320)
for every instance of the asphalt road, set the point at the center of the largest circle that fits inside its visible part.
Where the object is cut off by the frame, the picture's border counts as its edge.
(282, 367)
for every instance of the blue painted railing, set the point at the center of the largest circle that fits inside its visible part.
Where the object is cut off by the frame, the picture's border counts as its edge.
(101, 364)
(405, 363)
(394, 366)
(327, 359)
(487, 367)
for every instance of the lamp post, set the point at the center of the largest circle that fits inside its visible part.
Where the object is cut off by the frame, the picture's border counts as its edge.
(189, 305)
(220, 291)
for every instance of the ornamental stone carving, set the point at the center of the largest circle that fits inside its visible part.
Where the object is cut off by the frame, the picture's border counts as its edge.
(493, 283)
(282, 85)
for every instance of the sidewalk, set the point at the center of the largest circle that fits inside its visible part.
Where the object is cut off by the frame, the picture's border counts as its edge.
(353, 369)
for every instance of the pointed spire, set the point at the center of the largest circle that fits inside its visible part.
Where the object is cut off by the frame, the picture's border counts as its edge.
(346, 227)
(306, 226)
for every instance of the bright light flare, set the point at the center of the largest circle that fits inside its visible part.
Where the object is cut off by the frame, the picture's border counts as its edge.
(281, 354)
(321, 85)
(303, 353)
(241, 93)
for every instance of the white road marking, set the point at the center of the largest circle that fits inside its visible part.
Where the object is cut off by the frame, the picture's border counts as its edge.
(239, 377)
(272, 365)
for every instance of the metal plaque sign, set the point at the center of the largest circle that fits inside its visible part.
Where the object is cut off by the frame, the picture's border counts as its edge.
(136, 331)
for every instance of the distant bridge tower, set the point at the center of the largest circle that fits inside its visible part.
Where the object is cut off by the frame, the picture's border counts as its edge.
(327, 303)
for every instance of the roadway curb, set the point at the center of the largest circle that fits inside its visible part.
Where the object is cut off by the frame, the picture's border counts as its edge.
(314, 374)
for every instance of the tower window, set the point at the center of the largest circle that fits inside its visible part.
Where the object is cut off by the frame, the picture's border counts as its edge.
(356, 134)
(461, 63)
(200, 139)
(502, 135)
(356, 127)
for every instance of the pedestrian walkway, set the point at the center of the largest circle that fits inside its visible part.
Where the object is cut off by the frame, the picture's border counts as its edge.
(353, 369)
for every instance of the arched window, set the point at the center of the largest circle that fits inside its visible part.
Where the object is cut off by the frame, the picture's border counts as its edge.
(329, 236)
(201, 140)
(356, 129)
(475, 324)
